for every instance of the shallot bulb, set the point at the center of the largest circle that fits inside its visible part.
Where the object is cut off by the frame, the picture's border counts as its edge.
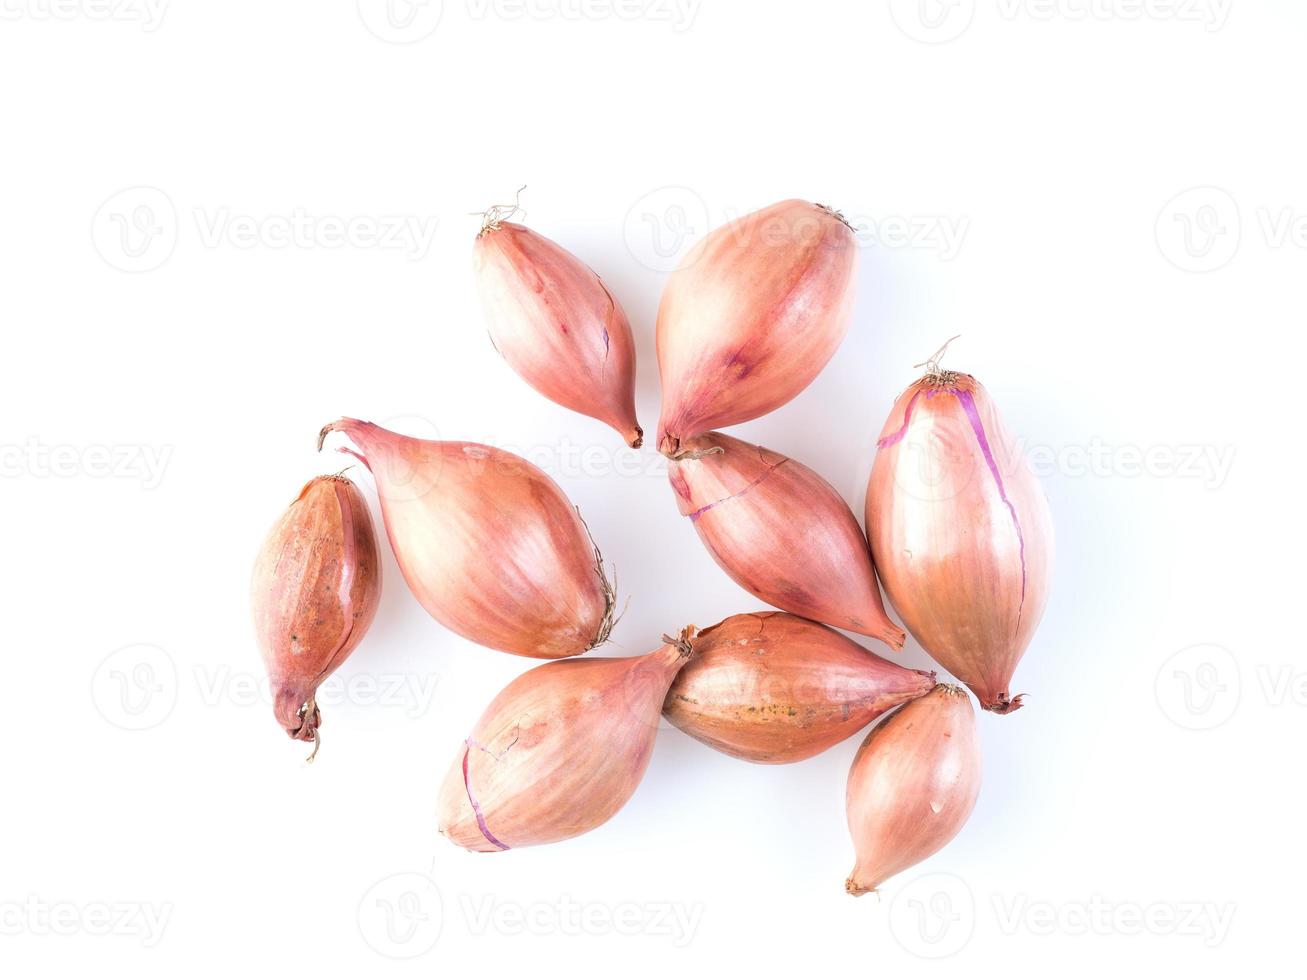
(557, 325)
(559, 751)
(781, 532)
(751, 316)
(961, 533)
(315, 589)
(912, 785)
(487, 543)
(771, 687)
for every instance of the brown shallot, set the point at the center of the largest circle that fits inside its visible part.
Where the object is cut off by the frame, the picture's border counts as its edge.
(558, 751)
(487, 543)
(781, 532)
(314, 592)
(961, 532)
(771, 687)
(751, 316)
(556, 324)
(912, 785)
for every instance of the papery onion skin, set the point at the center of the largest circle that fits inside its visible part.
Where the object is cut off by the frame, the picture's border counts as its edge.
(912, 785)
(782, 532)
(769, 687)
(557, 325)
(961, 533)
(751, 316)
(558, 751)
(487, 543)
(313, 595)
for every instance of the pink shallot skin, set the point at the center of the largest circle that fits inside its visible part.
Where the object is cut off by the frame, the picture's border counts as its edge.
(912, 785)
(781, 532)
(961, 533)
(489, 545)
(558, 751)
(557, 325)
(314, 593)
(774, 688)
(751, 316)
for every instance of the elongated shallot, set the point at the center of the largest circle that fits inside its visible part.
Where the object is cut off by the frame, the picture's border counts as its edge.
(961, 533)
(315, 589)
(556, 324)
(487, 543)
(771, 687)
(782, 532)
(558, 751)
(751, 316)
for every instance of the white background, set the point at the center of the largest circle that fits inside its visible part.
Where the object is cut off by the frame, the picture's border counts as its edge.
(1143, 810)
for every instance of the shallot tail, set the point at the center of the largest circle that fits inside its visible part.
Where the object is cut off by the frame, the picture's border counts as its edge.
(1003, 705)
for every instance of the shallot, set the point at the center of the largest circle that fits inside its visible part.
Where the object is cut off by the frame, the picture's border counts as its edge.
(961, 532)
(558, 751)
(751, 316)
(487, 543)
(912, 785)
(556, 324)
(771, 687)
(781, 532)
(315, 589)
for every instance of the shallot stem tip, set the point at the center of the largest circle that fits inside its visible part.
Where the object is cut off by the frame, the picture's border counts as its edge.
(931, 364)
(495, 215)
(836, 214)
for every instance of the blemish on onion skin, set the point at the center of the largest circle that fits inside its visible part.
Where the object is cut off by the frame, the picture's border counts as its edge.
(973, 416)
(735, 496)
(476, 807)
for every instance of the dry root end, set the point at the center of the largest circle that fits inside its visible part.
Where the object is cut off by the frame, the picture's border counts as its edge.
(856, 890)
(682, 454)
(611, 615)
(683, 643)
(308, 714)
(495, 215)
(1005, 705)
(836, 214)
(935, 375)
(638, 440)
